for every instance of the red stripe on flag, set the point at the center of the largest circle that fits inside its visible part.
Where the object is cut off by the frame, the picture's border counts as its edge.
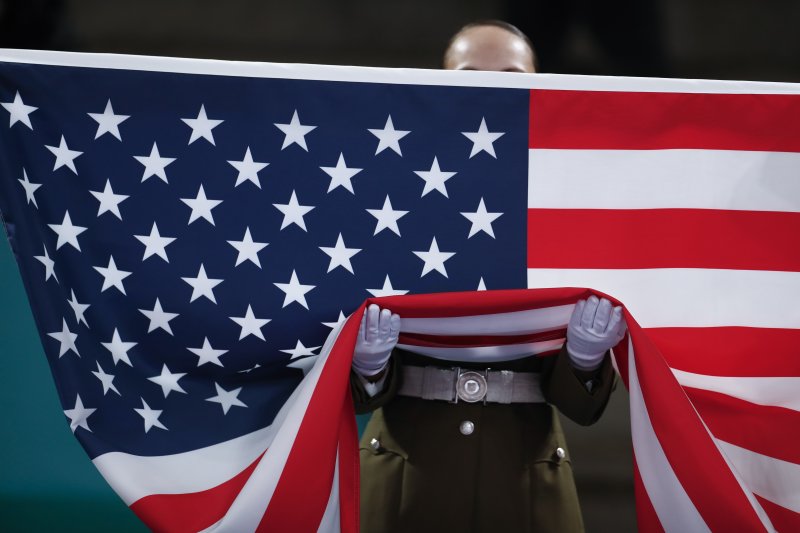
(768, 430)
(646, 518)
(646, 121)
(304, 487)
(193, 511)
(699, 466)
(663, 238)
(782, 518)
(470, 341)
(730, 351)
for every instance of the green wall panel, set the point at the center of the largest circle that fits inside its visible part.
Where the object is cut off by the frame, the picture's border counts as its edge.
(47, 482)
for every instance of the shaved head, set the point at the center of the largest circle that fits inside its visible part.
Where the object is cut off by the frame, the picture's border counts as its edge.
(490, 45)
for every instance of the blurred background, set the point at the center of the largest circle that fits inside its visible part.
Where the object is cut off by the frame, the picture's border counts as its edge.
(722, 39)
(46, 481)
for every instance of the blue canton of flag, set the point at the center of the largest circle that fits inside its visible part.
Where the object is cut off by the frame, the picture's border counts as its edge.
(187, 241)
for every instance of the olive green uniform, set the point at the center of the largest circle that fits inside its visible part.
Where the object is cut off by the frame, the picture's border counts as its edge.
(422, 474)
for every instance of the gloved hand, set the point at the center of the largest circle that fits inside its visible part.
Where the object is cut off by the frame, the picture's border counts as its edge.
(593, 329)
(377, 337)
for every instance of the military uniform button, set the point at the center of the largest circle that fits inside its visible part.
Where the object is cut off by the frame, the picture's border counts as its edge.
(375, 444)
(560, 453)
(466, 427)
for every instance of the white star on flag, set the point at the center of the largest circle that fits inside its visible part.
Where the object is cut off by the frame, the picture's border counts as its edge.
(340, 255)
(481, 285)
(201, 206)
(155, 244)
(66, 338)
(250, 324)
(78, 309)
(248, 169)
(389, 137)
(435, 178)
(341, 175)
(119, 348)
(248, 370)
(434, 259)
(202, 285)
(387, 289)
(300, 350)
(112, 276)
(293, 212)
(150, 416)
(202, 126)
(48, 265)
(30, 188)
(19, 111)
(158, 318)
(109, 202)
(168, 381)
(387, 217)
(294, 291)
(108, 122)
(67, 232)
(78, 415)
(295, 132)
(154, 164)
(481, 220)
(304, 364)
(207, 354)
(64, 156)
(334, 325)
(226, 399)
(482, 140)
(248, 249)
(106, 379)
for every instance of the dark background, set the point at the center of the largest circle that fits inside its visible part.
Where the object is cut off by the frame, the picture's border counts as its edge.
(46, 481)
(719, 39)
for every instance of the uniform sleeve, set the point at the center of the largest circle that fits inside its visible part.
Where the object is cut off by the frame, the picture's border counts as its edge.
(565, 388)
(364, 403)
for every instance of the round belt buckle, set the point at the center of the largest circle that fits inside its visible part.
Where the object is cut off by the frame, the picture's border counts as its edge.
(471, 387)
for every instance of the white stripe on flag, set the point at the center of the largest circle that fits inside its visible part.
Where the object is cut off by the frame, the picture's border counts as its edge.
(773, 479)
(485, 354)
(134, 477)
(514, 323)
(248, 508)
(331, 522)
(776, 391)
(746, 490)
(650, 179)
(672, 505)
(392, 75)
(688, 297)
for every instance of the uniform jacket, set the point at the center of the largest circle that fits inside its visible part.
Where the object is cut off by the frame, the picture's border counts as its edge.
(421, 474)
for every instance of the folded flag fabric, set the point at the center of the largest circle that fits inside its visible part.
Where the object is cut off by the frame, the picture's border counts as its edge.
(189, 232)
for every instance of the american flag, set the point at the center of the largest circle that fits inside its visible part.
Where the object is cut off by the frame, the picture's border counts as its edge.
(189, 232)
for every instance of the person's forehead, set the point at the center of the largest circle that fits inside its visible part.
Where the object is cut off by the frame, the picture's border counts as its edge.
(489, 48)
(488, 35)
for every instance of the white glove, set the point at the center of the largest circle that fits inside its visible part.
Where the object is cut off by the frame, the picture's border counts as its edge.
(593, 329)
(377, 337)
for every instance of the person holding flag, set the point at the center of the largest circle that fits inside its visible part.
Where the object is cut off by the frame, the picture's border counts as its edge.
(473, 443)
